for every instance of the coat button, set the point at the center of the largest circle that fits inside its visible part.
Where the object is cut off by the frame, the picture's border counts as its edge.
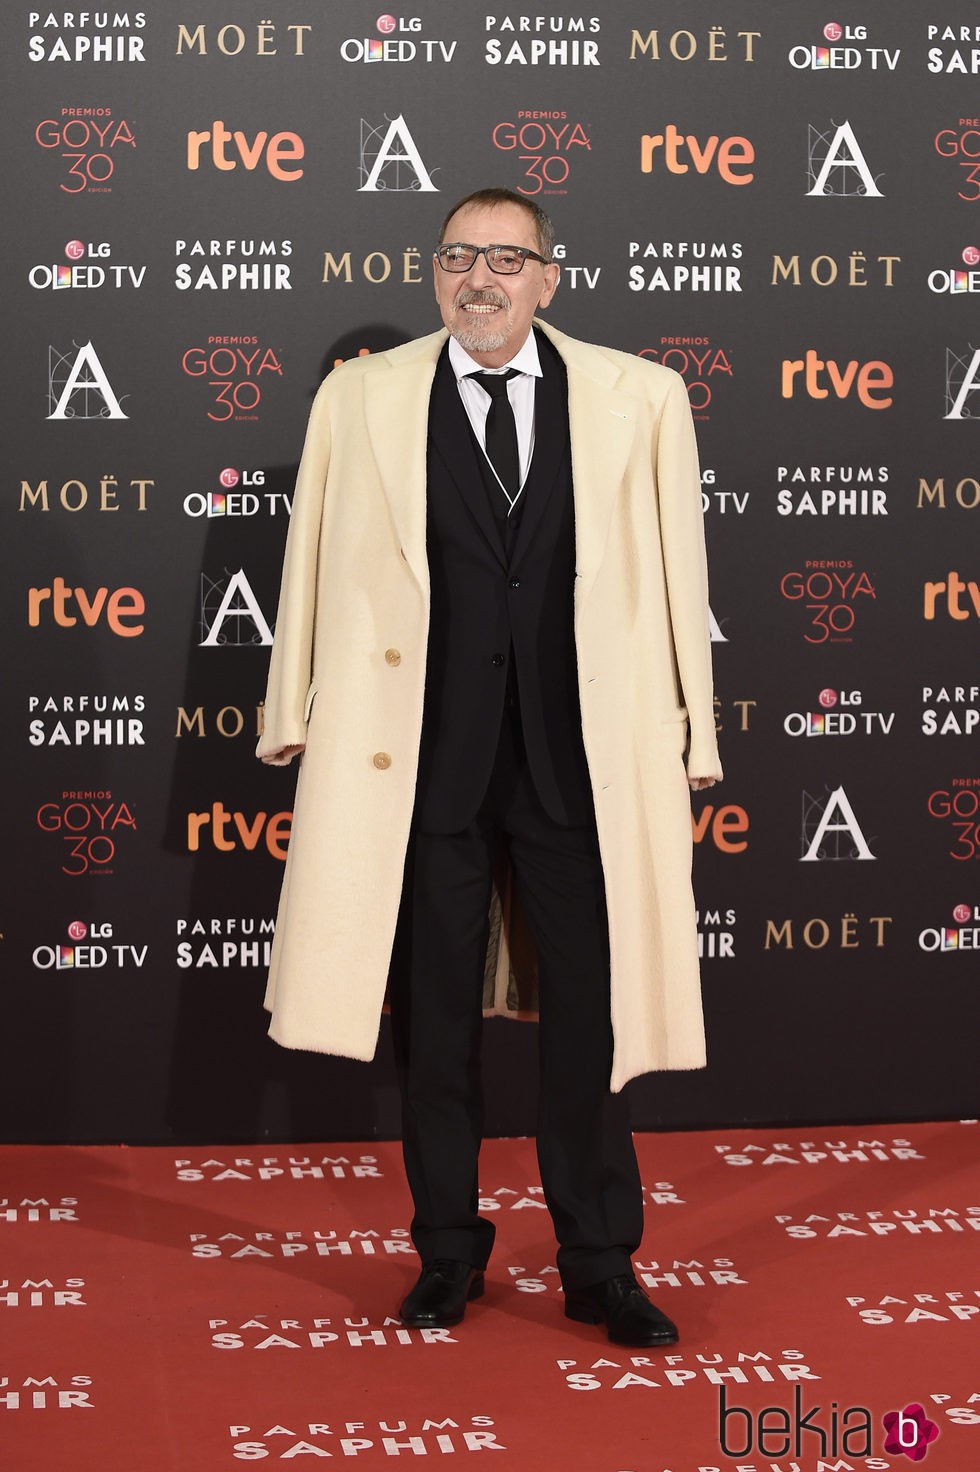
(392, 656)
(514, 583)
(497, 659)
(381, 760)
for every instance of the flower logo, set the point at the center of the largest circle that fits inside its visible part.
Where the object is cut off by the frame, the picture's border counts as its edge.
(909, 1432)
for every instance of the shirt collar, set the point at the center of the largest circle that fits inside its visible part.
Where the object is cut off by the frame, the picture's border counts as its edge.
(525, 360)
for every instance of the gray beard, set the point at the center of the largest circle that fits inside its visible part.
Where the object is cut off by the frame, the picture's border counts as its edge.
(479, 340)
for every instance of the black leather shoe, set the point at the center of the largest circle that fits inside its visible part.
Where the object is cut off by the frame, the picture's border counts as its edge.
(622, 1305)
(440, 1296)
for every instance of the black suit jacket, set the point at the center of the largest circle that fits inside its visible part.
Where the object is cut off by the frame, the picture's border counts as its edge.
(492, 609)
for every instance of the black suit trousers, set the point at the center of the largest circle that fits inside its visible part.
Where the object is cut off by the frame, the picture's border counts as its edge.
(585, 1147)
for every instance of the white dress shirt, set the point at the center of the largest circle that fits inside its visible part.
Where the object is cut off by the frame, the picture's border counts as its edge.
(520, 392)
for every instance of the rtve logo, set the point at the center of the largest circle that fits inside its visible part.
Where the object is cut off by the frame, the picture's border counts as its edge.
(951, 590)
(121, 607)
(730, 156)
(229, 149)
(818, 376)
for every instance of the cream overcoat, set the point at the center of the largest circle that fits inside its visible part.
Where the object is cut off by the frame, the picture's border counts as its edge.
(347, 678)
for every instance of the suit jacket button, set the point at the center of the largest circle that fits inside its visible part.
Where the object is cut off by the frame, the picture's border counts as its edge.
(497, 659)
(392, 656)
(514, 583)
(381, 760)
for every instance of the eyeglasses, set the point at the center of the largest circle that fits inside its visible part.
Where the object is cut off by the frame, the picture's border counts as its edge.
(505, 260)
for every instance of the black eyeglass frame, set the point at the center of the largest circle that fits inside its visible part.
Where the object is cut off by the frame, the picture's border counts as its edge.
(484, 250)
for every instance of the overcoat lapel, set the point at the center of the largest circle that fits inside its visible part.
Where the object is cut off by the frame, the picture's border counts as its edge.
(396, 408)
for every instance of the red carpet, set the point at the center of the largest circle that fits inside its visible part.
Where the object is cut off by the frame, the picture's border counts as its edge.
(203, 1308)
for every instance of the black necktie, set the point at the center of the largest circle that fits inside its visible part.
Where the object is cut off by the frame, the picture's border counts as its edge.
(501, 432)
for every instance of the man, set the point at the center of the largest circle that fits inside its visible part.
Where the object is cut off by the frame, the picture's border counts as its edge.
(492, 647)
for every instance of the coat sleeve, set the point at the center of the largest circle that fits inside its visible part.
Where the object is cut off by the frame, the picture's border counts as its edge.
(291, 668)
(685, 563)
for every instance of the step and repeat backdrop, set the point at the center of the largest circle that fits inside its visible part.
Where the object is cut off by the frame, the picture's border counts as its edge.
(214, 203)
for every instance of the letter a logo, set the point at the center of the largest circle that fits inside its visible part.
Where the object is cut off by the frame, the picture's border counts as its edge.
(962, 378)
(72, 395)
(218, 605)
(836, 848)
(841, 154)
(382, 167)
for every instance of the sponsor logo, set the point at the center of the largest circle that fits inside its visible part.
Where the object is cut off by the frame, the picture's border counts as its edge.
(394, 47)
(280, 153)
(231, 617)
(219, 944)
(923, 1224)
(237, 369)
(277, 1167)
(851, 270)
(227, 721)
(713, 45)
(43, 1293)
(955, 55)
(950, 710)
(78, 386)
(966, 493)
(90, 140)
(259, 1333)
(946, 1307)
(703, 367)
(46, 1393)
(91, 825)
(843, 57)
(229, 501)
(392, 1436)
(681, 1371)
(958, 597)
(731, 157)
(724, 828)
(832, 490)
(227, 831)
(87, 950)
(962, 382)
(719, 1272)
(716, 936)
(819, 377)
(269, 39)
(836, 166)
(830, 830)
(569, 40)
(740, 712)
(725, 503)
(961, 143)
(392, 1241)
(958, 807)
(85, 277)
(826, 721)
(819, 1152)
(584, 278)
(78, 495)
(38, 1209)
(390, 162)
(120, 607)
(962, 935)
(375, 267)
(545, 142)
(85, 35)
(685, 265)
(956, 282)
(86, 720)
(816, 933)
(233, 265)
(830, 591)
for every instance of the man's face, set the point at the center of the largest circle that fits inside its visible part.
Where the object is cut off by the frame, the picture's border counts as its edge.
(490, 315)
